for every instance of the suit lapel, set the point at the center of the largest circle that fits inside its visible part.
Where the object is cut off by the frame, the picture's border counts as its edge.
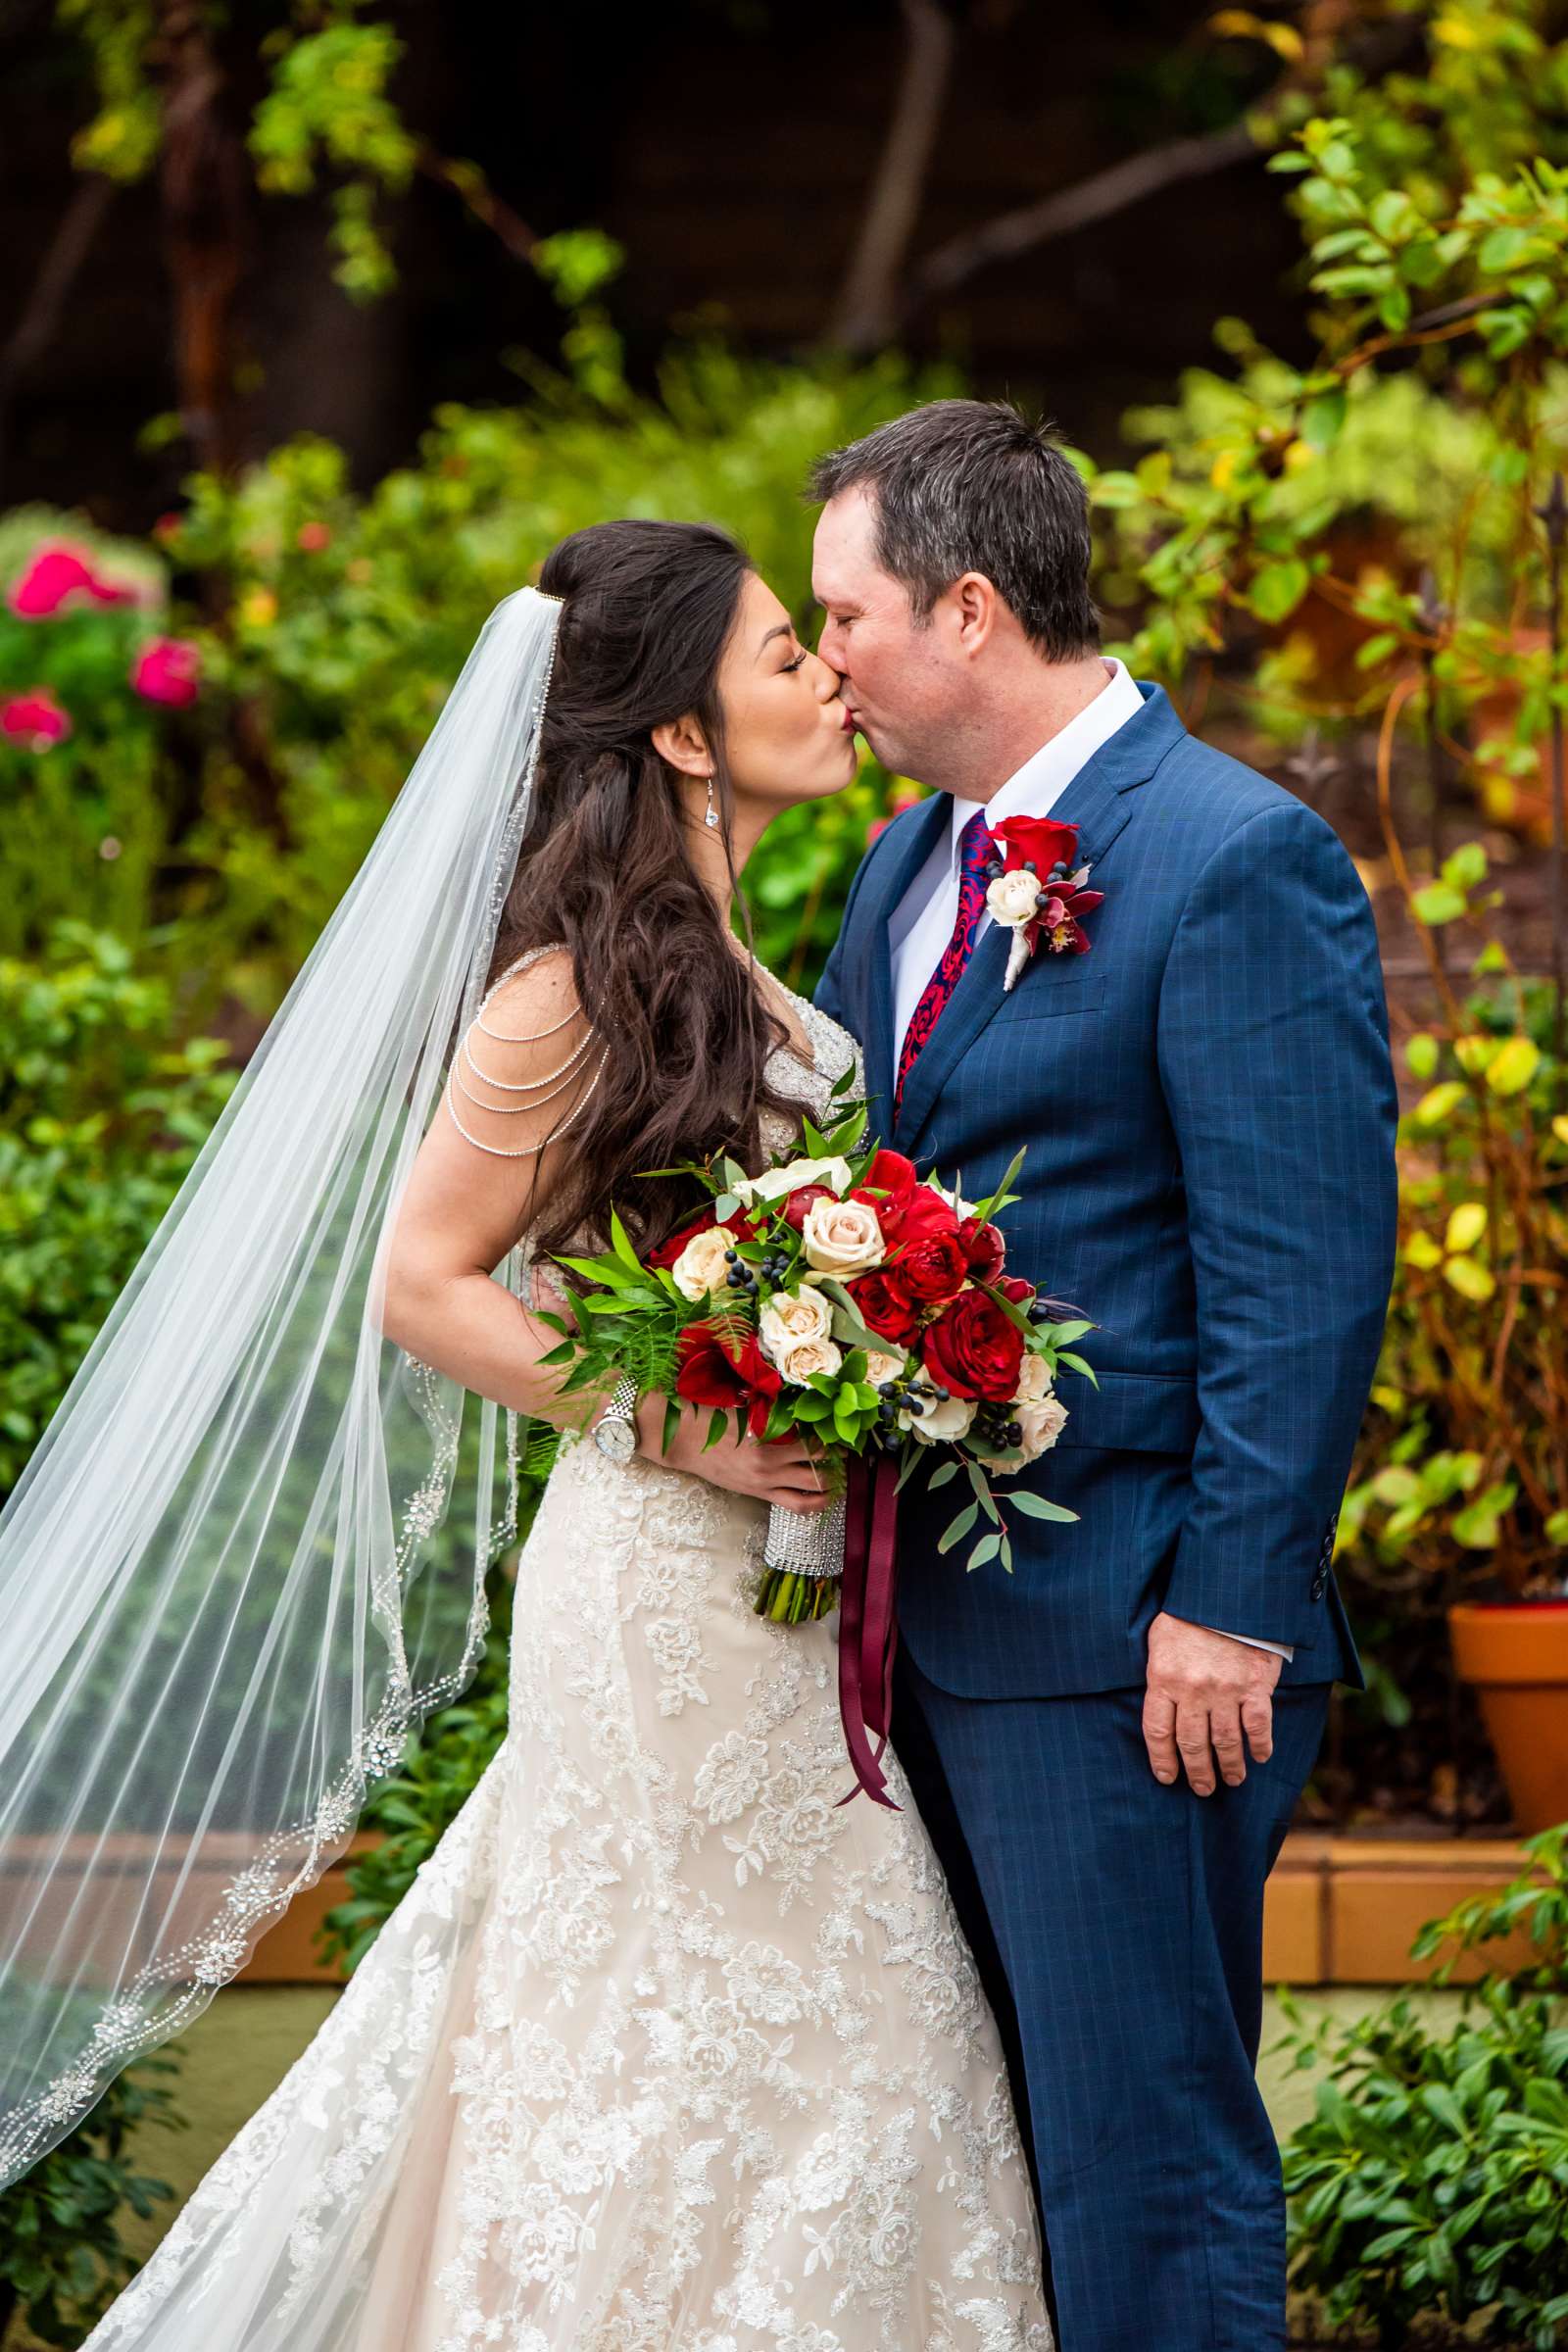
(907, 851)
(1098, 803)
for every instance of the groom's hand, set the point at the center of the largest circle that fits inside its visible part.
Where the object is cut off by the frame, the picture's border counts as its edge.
(1206, 1697)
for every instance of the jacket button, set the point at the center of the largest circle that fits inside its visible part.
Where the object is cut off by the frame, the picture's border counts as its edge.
(1319, 1584)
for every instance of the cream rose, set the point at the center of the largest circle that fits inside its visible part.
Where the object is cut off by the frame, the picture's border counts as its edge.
(941, 1424)
(1041, 1424)
(700, 1269)
(1011, 898)
(789, 1318)
(1034, 1380)
(806, 1358)
(842, 1237)
(880, 1367)
(774, 1183)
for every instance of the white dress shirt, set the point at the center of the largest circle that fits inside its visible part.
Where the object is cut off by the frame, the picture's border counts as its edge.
(921, 924)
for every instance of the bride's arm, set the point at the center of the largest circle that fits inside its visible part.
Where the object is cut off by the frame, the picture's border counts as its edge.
(499, 1142)
(483, 1175)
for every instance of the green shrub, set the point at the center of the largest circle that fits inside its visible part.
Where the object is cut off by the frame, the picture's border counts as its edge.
(101, 1113)
(1432, 2180)
(61, 2258)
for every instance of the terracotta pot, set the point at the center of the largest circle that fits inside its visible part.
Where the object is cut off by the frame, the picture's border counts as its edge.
(1516, 1654)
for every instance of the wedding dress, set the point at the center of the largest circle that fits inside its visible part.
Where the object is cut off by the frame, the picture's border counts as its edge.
(665, 2050)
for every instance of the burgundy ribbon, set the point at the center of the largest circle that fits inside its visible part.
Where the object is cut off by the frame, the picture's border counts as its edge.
(868, 1625)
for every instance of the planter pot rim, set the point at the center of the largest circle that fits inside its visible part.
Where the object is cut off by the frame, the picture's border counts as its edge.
(1517, 1642)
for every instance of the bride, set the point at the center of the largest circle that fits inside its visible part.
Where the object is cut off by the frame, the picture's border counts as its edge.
(666, 2049)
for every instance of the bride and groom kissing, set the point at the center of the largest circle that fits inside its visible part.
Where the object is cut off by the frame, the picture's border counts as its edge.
(666, 2047)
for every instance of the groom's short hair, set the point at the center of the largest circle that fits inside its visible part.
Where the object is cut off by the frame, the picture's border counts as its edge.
(972, 485)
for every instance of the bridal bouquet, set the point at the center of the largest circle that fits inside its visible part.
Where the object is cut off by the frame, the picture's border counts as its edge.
(836, 1297)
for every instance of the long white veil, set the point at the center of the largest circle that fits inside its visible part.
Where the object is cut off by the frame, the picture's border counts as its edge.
(249, 1554)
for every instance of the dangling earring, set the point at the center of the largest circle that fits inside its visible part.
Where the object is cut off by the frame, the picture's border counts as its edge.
(711, 818)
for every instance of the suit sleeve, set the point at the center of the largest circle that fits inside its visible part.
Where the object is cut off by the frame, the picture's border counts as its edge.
(1273, 1051)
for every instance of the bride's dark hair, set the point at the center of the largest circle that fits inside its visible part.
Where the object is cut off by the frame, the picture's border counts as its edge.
(603, 869)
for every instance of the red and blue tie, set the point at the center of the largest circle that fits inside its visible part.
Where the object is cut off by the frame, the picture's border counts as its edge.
(976, 850)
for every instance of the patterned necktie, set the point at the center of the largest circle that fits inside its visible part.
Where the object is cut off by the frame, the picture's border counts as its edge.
(975, 849)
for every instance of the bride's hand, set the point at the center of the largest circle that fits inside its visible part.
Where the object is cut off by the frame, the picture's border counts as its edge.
(781, 1472)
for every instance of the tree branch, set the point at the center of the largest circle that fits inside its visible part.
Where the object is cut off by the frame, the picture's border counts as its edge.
(57, 272)
(865, 314)
(1098, 198)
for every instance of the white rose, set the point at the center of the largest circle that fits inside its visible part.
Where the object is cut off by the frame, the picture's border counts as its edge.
(700, 1269)
(842, 1237)
(1011, 898)
(941, 1424)
(787, 1319)
(1042, 1425)
(1034, 1380)
(807, 1358)
(880, 1367)
(774, 1183)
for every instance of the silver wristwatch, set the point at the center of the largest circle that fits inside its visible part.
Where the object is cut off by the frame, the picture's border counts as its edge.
(616, 1430)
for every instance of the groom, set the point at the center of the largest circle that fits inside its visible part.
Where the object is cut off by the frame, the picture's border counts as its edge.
(1106, 1744)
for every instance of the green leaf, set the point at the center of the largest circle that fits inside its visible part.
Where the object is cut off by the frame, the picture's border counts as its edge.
(1438, 902)
(1036, 1506)
(621, 1240)
(1278, 588)
(959, 1528)
(986, 1550)
(941, 1475)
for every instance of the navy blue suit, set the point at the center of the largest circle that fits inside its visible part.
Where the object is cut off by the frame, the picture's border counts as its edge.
(1208, 1106)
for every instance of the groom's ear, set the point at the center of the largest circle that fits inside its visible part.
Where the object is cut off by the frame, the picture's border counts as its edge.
(976, 607)
(682, 742)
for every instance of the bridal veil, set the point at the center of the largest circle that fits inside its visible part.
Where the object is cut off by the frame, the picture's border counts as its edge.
(249, 1554)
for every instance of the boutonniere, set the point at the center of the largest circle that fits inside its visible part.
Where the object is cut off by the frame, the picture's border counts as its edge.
(1036, 889)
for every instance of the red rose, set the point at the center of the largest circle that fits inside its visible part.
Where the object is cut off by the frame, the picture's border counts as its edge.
(932, 1267)
(1013, 1285)
(909, 1217)
(709, 1372)
(890, 1172)
(56, 572)
(795, 1207)
(983, 1248)
(1039, 838)
(974, 1350)
(885, 1307)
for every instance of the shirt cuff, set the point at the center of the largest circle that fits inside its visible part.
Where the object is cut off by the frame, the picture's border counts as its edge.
(1278, 1650)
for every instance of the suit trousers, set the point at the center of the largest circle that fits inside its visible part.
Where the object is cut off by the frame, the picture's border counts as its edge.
(1117, 1926)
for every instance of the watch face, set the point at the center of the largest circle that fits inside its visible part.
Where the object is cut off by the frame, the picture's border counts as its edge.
(617, 1439)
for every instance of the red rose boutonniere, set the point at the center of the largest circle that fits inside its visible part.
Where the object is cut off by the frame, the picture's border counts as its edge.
(1036, 887)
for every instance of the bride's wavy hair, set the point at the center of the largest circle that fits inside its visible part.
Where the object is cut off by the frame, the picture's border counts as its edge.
(605, 869)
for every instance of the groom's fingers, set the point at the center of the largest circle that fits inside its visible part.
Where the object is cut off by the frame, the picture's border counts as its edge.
(1225, 1732)
(1193, 1739)
(1159, 1734)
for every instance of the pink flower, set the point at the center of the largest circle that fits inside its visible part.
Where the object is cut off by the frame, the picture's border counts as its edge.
(36, 719)
(57, 571)
(167, 669)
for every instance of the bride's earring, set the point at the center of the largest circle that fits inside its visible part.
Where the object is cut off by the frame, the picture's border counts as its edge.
(711, 818)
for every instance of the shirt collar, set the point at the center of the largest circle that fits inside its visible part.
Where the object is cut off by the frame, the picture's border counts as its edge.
(1031, 790)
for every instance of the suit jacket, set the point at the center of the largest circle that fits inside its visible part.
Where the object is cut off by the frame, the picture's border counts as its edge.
(1208, 1106)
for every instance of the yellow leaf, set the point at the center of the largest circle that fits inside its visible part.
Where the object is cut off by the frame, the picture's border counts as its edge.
(1300, 454)
(1223, 471)
(1472, 1054)
(1455, 32)
(258, 609)
(1559, 1128)
(1469, 1277)
(1513, 1067)
(1466, 1225)
(1435, 1106)
(1422, 1250)
(1286, 42)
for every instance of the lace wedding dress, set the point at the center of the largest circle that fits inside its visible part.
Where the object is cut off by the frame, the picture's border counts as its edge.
(665, 2050)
